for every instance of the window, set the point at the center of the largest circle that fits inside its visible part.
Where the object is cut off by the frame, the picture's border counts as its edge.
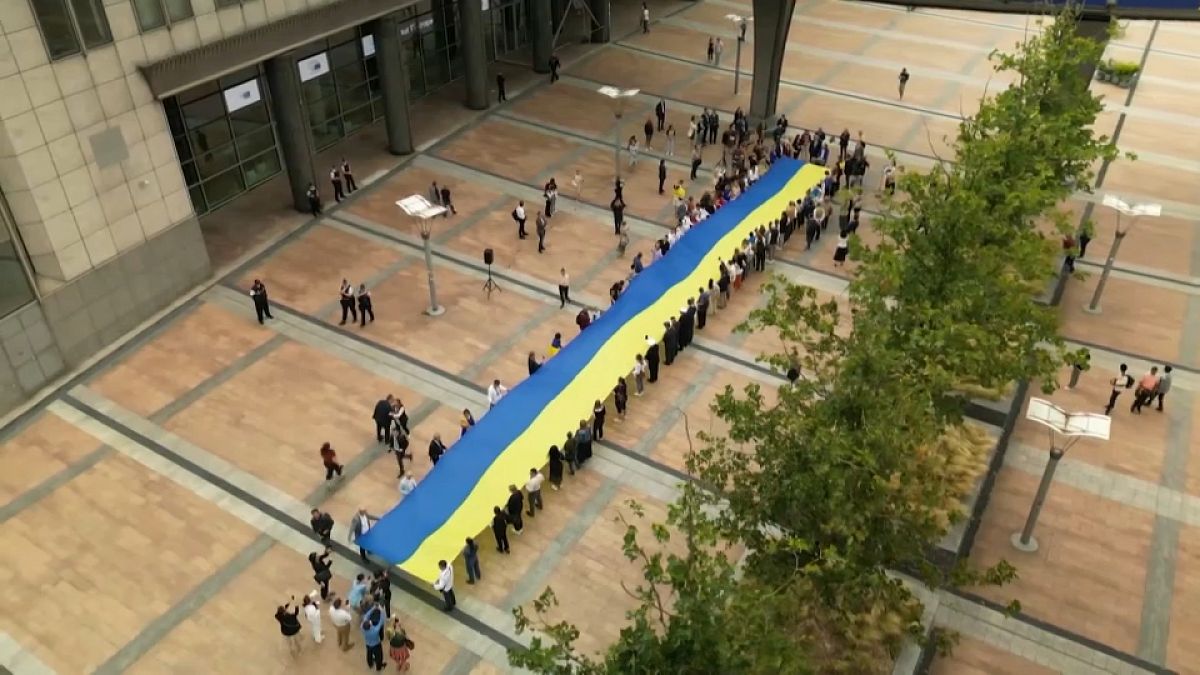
(153, 14)
(70, 26)
(15, 289)
(228, 3)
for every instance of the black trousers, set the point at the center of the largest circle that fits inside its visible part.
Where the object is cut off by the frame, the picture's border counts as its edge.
(363, 311)
(375, 656)
(501, 539)
(338, 195)
(331, 469)
(695, 168)
(348, 308)
(1112, 401)
(1158, 396)
(598, 428)
(262, 308)
(500, 95)
(350, 184)
(617, 218)
(314, 206)
(653, 365)
(661, 121)
(564, 296)
(701, 317)
(383, 431)
(521, 228)
(518, 523)
(448, 598)
(541, 241)
(661, 181)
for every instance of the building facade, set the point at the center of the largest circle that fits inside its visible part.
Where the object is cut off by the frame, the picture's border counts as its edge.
(123, 122)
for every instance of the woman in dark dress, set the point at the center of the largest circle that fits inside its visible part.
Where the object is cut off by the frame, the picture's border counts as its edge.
(621, 395)
(288, 617)
(598, 413)
(321, 572)
(500, 529)
(556, 467)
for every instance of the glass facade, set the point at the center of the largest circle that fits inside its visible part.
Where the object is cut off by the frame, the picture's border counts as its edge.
(15, 289)
(70, 26)
(509, 26)
(224, 137)
(153, 14)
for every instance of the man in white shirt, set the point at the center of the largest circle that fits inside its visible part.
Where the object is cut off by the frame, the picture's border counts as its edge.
(534, 489)
(518, 215)
(340, 617)
(445, 584)
(495, 392)
(407, 485)
(312, 612)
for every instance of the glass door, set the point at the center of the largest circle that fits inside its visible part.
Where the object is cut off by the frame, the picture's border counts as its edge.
(509, 27)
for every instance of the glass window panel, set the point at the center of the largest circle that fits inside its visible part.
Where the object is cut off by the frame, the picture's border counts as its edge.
(344, 54)
(372, 67)
(236, 78)
(93, 24)
(322, 110)
(15, 290)
(174, 116)
(359, 118)
(56, 28)
(245, 120)
(261, 168)
(198, 113)
(191, 175)
(198, 201)
(376, 88)
(350, 76)
(149, 14)
(437, 70)
(177, 10)
(327, 133)
(224, 187)
(213, 163)
(319, 87)
(212, 135)
(255, 143)
(356, 97)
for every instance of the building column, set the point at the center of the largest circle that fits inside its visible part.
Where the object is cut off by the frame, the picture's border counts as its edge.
(470, 44)
(393, 77)
(602, 9)
(772, 19)
(291, 122)
(557, 9)
(541, 35)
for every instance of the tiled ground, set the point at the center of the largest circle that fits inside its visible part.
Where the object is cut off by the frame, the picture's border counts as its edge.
(184, 580)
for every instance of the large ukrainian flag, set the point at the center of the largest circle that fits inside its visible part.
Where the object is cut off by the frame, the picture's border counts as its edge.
(455, 500)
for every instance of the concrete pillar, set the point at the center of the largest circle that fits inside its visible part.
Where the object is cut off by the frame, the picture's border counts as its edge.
(602, 26)
(291, 124)
(541, 34)
(772, 19)
(470, 43)
(393, 77)
(557, 9)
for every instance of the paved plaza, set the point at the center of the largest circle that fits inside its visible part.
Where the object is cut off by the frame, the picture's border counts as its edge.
(155, 509)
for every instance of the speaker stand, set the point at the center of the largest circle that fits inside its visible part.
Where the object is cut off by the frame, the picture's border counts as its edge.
(491, 285)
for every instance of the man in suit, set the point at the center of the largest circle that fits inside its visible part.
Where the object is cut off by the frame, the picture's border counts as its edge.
(670, 341)
(436, 448)
(687, 324)
(322, 524)
(652, 355)
(360, 524)
(383, 420)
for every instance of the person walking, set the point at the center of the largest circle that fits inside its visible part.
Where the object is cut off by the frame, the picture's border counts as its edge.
(1164, 387)
(718, 49)
(364, 305)
(314, 200)
(518, 215)
(555, 64)
(564, 288)
(372, 631)
(1123, 380)
(501, 96)
(696, 159)
(842, 249)
(381, 587)
(321, 566)
(639, 375)
(648, 132)
(322, 525)
(329, 461)
(670, 133)
(577, 183)
(645, 19)
(288, 616)
(346, 297)
(598, 414)
(540, 229)
(617, 206)
(258, 295)
(445, 584)
(335, 177)
(632, 149)
(556, 468)
(903, 78)
(709, 53)
(514, 507)
(399, 645)
(448, 203)
(1145, 390)
(348, 176)
(533, 488)
(620, 396)
(660, 113)
(662, 175)
(312, 614)
(495, 392)
(471, 561)
(382, 415)
(436, 449)
(340, 617)
(360, 525)
(500, 529)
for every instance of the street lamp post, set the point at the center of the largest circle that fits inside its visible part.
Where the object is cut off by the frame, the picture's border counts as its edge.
(741, 22)
(1135, 211)
(423, 212)
(620, 96)
(1061, 423)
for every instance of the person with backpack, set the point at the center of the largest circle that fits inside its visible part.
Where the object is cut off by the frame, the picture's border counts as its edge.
(1123, 380)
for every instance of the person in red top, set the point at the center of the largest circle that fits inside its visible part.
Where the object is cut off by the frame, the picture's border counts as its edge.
(329, 459)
